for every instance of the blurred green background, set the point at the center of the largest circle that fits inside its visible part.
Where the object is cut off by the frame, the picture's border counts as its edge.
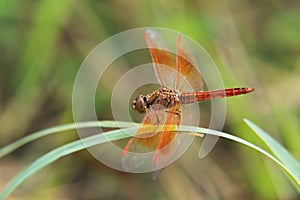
(254, 43)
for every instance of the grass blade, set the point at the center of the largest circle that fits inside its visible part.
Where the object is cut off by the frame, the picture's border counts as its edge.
(31, 137)
(62, 151)
(292, 166)
(75, 146)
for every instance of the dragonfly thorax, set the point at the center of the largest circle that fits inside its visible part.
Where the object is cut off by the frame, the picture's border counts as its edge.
(162, 98)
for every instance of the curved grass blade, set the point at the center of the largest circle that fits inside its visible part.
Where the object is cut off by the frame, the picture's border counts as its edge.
(111, 136)
(280, 152)
(36, 135)
(62, 151)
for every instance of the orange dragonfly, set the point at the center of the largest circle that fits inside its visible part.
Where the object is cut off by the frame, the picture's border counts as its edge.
(181, 83)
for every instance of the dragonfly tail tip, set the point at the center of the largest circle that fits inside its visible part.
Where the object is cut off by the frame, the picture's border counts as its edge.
(249, 89)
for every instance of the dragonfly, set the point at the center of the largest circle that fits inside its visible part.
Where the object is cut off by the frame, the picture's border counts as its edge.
(180, 83)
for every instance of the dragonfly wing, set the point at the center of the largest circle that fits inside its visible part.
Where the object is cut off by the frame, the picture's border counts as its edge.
(153, 151)
(189, 77)
(187, 68)
(171, 72)
(138, 153)
(171, 144)
(163, 60)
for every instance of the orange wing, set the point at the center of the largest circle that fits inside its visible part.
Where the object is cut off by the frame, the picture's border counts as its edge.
(165, 149)
(163, 60)
(186, 67)
(189, 78)
(177, 74)
(137, 153)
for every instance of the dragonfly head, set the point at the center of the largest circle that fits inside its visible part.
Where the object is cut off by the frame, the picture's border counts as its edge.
(140, 104)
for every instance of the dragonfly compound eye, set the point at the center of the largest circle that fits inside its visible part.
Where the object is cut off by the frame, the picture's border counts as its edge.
(139, 104)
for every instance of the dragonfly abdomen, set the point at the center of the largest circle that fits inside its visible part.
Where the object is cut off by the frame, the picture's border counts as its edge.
(191, 97)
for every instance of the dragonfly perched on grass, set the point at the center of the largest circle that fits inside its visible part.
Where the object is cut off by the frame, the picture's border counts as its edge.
(180, 83)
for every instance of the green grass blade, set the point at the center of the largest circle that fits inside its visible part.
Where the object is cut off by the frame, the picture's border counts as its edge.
(31, 137)
(291, 164)
(236, 139)
(59, 152)
(72, 147)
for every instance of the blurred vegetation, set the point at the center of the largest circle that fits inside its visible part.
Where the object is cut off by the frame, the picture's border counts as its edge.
(253, 43)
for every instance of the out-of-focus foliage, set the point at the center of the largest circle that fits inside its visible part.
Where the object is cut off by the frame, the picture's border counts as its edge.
(254, 43)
